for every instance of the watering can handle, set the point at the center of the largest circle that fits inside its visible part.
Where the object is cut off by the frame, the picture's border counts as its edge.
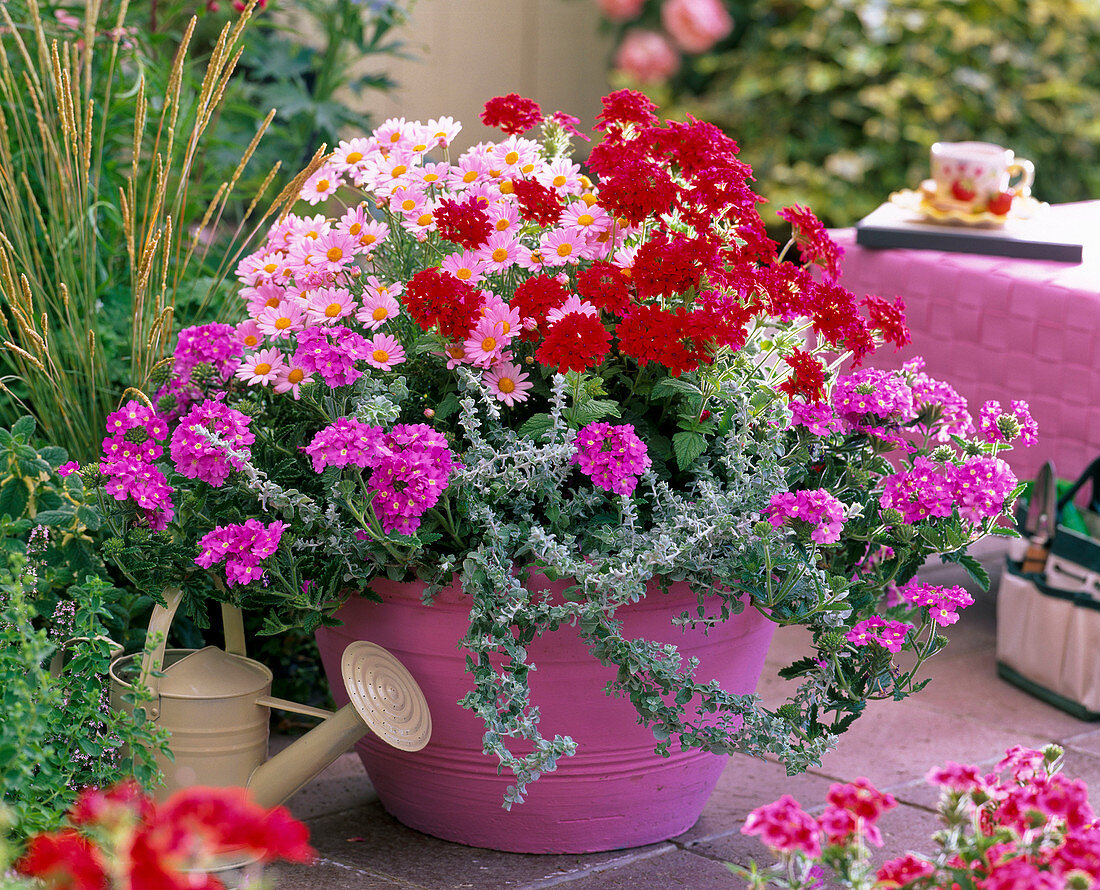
(161, 620)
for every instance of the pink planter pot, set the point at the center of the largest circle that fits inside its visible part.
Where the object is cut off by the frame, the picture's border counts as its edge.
(613, 793)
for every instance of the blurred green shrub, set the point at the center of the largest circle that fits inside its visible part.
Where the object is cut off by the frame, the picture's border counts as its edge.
(835, 103)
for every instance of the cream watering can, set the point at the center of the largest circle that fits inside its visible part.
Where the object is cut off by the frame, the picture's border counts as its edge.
(215, 703)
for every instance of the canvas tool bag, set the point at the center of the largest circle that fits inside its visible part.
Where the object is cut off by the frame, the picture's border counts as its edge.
(1048, 603)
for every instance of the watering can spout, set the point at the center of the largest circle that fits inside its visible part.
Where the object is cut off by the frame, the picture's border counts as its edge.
(385, 700)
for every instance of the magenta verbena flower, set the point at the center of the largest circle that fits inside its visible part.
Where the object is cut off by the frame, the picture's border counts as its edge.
(817, 508)
(999, 426)
(195, 456)
(873, 393)
(981, 485)
(884, 632)
(331, 353)
(613, 457)
(214, 344)
(943, 603)
(140, 481)
(922, 491)
(818, 418)
(241, 548)
(785, 827)
(940, 403)
(346, 441)
(410, 476)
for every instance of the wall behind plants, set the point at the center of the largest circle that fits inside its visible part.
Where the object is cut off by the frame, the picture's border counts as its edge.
(463, 52)
(836, 102)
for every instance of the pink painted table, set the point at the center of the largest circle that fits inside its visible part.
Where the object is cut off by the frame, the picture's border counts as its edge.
(1000, 328)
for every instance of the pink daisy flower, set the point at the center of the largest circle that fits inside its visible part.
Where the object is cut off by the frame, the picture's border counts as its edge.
(334, 252)
(267, 295)
(261, 367)
(508, 316)
(562, 246)
(408, 200)
(372, 235)
(504, 216)
(470, 168)
(282, 320)
(530, 258)
(484, 345)
(465, 266)
(431, 175)
(508, 158)
(264, 265)
(500, 251)
(383, 352)
(322, 185)
(378, 308)
(420, 221)
(303, 258)
(563, 176)
(589, 220)
(508, 383)
(456, 355)
(290, 379)
(443, 131)
(249, 335)
(571, 305)
(327, 305)
(393, 170)
(394, 133)
(351, 154)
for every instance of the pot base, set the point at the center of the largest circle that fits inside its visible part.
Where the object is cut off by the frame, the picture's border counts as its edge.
(613, 793)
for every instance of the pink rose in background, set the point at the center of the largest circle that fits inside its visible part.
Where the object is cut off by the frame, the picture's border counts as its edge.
(647, 56)
(621, 10)
(696, 25)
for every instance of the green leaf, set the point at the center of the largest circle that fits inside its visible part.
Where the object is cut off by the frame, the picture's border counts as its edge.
(54, 455)
(595, 410)
(23, 428)
(536, 426)
(14, 496)
(670, 385)
(89, 516)
(61, 516)
(688, 446)
(974, 569)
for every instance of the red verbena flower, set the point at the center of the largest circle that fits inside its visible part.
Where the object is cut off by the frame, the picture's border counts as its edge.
(537, 202)
(465, 224)
(66, 859)
(674, 339)
(669, 267)
(434, 298)
(606, 286)
(638, 189)
(576, 342)
(626, 107)
(889, 318)
(534, 298)
(512, 113)
(807, 379)
(570, 124)
(813, 240)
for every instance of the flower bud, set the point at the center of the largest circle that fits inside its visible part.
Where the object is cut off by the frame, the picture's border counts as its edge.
(943, 453)
(202, 374)
(429, 413)
(136, 435)
(789, 711)
(1009, 426)
(167, 403)
(161, 374)
(832, 641)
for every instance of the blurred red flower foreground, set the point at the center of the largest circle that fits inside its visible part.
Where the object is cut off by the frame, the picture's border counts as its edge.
(120, 838)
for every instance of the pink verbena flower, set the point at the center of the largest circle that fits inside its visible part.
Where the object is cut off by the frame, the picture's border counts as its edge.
(331, 353)
(816, 508)
(942, 603)
(903, 870)
(920, 492)
(998, 426)
(886, 633)
(873, 393)
(409, 476)
(957, 776)
(980, 487)
(785, 827)
(241, 547)
(613, 457)
(818, 418)
(214, 344)
(346, 441)
(198, 458)
(938, 404)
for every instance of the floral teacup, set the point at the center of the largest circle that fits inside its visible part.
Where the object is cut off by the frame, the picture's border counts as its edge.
(978, 176)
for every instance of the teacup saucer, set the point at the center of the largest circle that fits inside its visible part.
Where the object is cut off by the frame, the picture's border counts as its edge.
(920, 204)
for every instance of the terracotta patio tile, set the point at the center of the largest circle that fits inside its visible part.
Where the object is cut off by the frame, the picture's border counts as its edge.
(677, 870)
(342, 786)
